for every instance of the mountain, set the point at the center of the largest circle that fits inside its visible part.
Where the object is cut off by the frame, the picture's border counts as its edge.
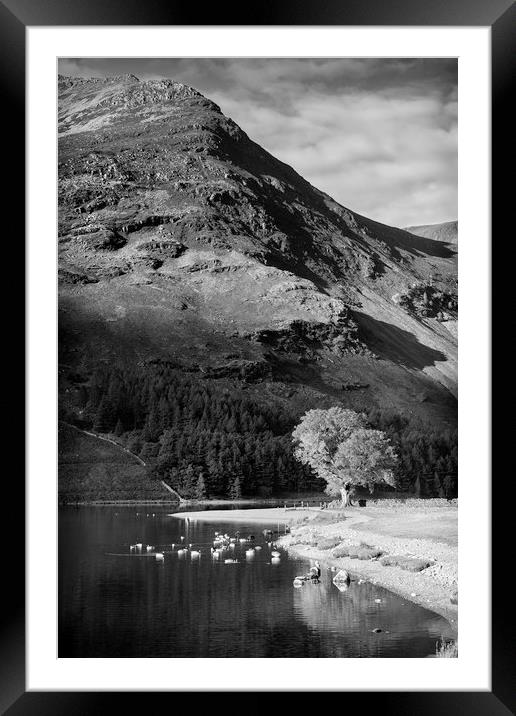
(182, 240)
(446, 232)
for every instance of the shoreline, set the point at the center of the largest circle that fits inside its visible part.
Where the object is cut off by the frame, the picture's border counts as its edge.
(374, 573)
(430, 588)
(269, 515)
(266, 502)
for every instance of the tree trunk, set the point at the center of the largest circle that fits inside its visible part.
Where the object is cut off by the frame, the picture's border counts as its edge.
(345, 493)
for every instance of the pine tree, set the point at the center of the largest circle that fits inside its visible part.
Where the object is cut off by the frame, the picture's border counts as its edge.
(235, 491)
(119, 428)
(438, 489)
(134, 443)
(200, 488)
(450, 486)
(149, 452)
(104, 417)
(152, 429)
(188, 481)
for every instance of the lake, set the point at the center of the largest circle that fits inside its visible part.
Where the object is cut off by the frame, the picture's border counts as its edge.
(114, 602)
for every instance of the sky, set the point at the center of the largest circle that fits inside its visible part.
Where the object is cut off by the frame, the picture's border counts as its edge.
(378, 135)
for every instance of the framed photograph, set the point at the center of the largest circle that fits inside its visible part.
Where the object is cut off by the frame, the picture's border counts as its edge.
(258, 434)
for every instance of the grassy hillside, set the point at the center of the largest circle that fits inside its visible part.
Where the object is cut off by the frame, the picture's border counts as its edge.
(93, 469)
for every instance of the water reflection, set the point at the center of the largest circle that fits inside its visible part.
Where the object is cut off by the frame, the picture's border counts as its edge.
(363, 619)
(114, 602)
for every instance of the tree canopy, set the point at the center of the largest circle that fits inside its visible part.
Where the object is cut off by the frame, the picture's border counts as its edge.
(341, 448)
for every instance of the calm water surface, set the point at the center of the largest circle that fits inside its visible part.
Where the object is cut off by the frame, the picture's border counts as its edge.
(116, 604)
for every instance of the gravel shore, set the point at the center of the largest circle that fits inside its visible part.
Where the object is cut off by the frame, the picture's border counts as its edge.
(432, 587)
(267, 515)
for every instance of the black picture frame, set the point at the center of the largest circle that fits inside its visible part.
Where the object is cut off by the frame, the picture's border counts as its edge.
(15, 17)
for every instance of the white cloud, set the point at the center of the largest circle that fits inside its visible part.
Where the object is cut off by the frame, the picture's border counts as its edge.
(375, 154)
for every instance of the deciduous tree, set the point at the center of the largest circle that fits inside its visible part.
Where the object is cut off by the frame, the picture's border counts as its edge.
(338, 444)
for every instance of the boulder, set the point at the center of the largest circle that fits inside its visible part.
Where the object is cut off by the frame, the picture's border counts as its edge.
(409, 564)
(341, 551)
(328, 543)
(342, 577)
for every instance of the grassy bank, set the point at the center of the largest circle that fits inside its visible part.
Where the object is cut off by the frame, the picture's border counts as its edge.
(97, 471)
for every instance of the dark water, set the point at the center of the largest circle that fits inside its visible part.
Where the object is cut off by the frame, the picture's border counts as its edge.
(116, 604)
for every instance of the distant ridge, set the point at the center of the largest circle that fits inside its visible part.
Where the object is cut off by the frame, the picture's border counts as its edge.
(447, 231)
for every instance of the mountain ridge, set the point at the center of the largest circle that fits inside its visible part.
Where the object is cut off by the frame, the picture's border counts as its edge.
(181, 238)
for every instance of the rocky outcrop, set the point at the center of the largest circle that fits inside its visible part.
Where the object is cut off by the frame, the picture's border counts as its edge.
(74, 277)
(307, 338)
(426, 301)
(246, 370)
(144, 221)
(160, 248)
